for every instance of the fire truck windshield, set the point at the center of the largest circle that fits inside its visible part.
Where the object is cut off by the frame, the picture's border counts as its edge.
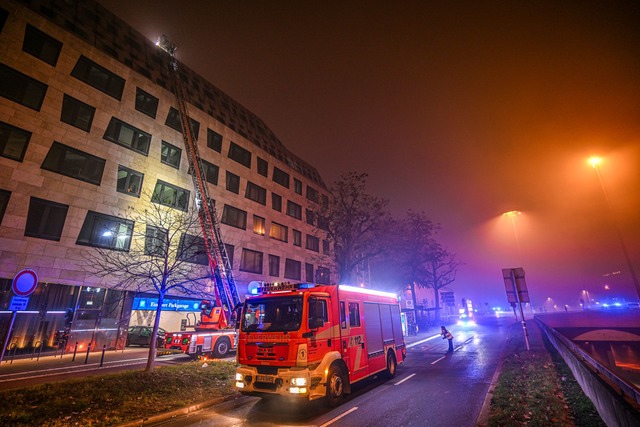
(275, 314)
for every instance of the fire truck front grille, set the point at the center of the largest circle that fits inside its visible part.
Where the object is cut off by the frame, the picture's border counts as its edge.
(267, 370)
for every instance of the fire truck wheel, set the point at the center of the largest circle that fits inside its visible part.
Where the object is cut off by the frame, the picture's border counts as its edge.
(222, 347)
(335, 386)
(391, 365)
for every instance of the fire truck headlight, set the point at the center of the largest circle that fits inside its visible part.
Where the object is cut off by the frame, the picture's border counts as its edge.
(239, 384)
(298, 390)
(298, 381)
(239, 376)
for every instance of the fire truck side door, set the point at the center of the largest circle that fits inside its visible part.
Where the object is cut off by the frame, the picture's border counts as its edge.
(321, 340)
(356, 360)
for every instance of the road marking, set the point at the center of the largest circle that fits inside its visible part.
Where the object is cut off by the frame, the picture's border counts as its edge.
(333, 420)
(437, 360)
(413, 344)
(403, 380)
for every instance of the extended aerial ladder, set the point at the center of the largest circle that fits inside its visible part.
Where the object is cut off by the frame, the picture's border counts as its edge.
(226, 292)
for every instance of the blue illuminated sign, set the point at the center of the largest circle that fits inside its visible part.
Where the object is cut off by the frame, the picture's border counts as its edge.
(168, 304)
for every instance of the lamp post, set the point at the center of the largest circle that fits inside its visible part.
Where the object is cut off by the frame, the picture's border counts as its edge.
(512, 216)
(595, 163)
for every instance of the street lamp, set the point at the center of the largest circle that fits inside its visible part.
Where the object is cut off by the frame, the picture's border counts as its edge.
(512, 216)
(595, 162)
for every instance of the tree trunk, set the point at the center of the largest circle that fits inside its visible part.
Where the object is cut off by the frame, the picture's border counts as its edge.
(154, 335)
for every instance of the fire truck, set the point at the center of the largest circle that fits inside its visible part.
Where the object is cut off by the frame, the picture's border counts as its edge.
(307, 341)
(212, 337)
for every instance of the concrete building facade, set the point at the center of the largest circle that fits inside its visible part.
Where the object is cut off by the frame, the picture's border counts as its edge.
(88, 131)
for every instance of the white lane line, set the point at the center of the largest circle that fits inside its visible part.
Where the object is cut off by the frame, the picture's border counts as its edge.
(437, 360)
(403, 380)
(333, 420)
(413, 344)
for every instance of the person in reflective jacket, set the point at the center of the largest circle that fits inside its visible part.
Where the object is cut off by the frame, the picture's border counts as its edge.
(447, 335)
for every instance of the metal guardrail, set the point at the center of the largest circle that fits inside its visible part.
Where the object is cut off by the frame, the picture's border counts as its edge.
(627, 390)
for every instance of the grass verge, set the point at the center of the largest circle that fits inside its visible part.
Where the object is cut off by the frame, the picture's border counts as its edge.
(110, 400)
(537, 388)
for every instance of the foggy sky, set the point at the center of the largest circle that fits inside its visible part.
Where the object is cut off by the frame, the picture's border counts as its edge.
(463, 110)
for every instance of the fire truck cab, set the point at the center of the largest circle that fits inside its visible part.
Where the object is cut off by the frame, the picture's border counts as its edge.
(314, 341)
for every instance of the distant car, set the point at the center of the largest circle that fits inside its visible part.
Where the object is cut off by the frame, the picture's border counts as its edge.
(141, 335)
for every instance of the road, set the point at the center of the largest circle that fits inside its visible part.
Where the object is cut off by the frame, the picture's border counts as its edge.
(431, 388)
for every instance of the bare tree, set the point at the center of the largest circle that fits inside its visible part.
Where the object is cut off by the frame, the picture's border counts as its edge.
(166, 254)
(440, 268)
(356, 223)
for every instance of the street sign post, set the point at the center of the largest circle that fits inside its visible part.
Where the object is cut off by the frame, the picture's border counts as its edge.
(23, 285)
(517, 293)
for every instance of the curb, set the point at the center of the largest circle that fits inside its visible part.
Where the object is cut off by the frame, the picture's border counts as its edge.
(180, 412)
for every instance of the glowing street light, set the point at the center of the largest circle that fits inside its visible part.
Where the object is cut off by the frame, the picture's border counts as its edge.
(512, 216)
(595, 162)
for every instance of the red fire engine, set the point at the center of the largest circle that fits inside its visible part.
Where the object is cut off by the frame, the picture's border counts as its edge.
(310, 341)
(212, 337)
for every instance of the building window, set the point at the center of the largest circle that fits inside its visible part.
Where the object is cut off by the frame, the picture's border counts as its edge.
(106, 231)
(313, 243)
(297, 186)
(258, 225)
(233, 182)
(129, 181)
(41, 45)
(211, 172)
(297, 238)
(146, 103)
(5, 195)
(256, 193)
(263, 166)
(279, 232)
(156, 241)
(99, 77)
(214, 140)
(323, 276)
(294, 210)
(170, 155)
(77, 113)
(21, 88)
(74, 163)
(325, 200)
(193, 250)
(292, 269)
(311, 217)
(13, 141)
(234, 217)
(251, 261)
(240, 155)
(45, 219)
(276, 202)
(312, 194)
(308, 272)
(274, 265)
(281, 177)
(230, 251)
(170, 195)
(325, 247)
(128, 136)
(3, 17)
(173, 121)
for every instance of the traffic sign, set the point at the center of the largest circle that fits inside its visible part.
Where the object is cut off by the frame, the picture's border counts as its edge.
(19, 303)
(24, 283)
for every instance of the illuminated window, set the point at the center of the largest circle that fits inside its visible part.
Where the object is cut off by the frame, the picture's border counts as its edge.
(279, 232)
(129, 181)
(258, 225)
(106, 231)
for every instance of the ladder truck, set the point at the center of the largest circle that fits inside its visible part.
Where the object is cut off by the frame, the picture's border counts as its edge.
(214, 335)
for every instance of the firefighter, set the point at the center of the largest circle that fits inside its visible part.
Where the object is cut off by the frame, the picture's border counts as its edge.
(447, 335)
